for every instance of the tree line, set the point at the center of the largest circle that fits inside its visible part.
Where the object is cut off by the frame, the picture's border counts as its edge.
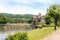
(13, 18)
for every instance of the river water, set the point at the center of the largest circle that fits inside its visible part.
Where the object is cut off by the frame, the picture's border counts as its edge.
(5, 30)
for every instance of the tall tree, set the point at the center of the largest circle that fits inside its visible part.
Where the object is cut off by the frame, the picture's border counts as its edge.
(54, 12)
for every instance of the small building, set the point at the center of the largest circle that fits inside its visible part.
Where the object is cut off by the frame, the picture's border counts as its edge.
(38, 19)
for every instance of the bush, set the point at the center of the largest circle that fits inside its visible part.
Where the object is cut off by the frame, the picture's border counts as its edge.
(39, 26)
(18, 36)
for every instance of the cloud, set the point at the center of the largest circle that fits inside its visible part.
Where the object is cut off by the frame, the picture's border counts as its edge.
(24, 6)
(19, 10)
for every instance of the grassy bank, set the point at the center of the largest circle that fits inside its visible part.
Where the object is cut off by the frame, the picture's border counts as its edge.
(38, 34)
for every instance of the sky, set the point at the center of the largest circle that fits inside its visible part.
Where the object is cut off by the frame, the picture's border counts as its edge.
(26, 6)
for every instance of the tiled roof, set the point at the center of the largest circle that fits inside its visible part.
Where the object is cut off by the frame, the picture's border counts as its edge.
(34, 17)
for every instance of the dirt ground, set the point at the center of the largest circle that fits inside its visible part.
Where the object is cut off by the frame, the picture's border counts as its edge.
(54, 36)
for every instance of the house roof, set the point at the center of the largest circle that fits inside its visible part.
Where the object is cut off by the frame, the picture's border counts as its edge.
(34, 17)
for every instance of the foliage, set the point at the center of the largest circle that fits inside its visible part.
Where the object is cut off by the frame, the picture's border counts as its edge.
(18, 36)
(48, 19)
(27, 16)
(54, 12)
(12, 18)
(36, 34)
(39, 26)
(29, 21)
(3, 19)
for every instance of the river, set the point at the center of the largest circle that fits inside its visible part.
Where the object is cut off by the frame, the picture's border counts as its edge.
(5, 30)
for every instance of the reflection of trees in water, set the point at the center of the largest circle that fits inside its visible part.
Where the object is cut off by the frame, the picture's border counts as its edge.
(3, 27)
(11, 27)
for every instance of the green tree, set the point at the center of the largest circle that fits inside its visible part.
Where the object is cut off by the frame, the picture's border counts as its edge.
(48, 19)
(54, 12)
(3, 19)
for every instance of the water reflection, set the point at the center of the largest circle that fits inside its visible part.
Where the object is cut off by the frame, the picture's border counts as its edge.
(6, 29)
(10, 27)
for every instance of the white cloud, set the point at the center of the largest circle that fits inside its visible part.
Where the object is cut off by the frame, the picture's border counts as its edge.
(4, 8)
(19, 10)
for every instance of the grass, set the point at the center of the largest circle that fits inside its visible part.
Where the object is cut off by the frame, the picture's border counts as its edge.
(38, 34)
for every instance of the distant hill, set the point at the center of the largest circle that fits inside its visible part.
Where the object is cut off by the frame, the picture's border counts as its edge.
(17, 15)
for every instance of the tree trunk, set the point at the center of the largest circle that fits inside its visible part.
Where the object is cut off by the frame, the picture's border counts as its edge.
(55, 23)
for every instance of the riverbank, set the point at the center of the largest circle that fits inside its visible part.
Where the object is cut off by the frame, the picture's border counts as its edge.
(38, 34)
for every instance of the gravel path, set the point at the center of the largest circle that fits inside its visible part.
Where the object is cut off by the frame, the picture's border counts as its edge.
(54, 36)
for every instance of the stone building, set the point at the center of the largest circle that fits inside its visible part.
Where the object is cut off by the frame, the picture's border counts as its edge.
(38, 19)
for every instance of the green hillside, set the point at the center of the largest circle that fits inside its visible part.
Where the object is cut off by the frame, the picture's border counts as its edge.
(15, 18)
(17, 15)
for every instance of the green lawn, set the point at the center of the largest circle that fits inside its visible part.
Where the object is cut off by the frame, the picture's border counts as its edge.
(38, 34)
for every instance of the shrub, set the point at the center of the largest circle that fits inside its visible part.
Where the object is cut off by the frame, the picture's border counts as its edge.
(39, 26)
(18, 36)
